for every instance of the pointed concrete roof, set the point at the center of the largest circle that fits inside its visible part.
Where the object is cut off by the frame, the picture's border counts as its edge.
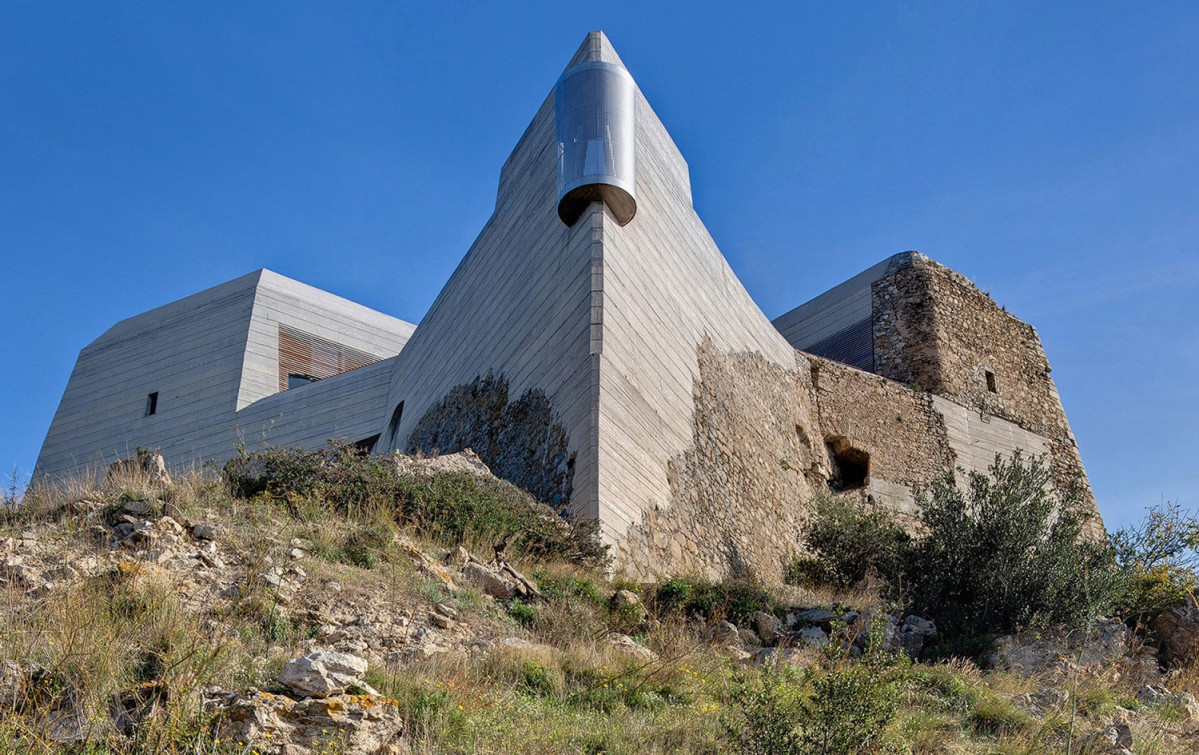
(596, 46)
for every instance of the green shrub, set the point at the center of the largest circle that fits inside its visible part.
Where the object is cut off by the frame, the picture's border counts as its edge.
(850, 709)
(1157, 560)
(764, 712)
(454, 508)
(734, 600)
(844, 709)
(1003, 554)
(523, 613)
(1151, 591)
(848, 541)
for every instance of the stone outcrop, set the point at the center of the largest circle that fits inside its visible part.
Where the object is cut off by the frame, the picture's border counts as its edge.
(147, 465)
(1057, 652)
(465, 460)
(323, 673)
(279, 725)
(1178, 631)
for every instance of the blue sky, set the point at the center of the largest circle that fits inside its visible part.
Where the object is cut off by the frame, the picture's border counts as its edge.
(1049, 151)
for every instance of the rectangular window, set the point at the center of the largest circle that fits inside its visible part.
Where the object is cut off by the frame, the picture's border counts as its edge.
(992, 384)
(152, 403)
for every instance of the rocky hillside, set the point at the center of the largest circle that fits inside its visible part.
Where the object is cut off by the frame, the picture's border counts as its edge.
(293, 608)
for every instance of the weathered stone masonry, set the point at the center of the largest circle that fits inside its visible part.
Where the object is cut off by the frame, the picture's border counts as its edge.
(936, 331)
(740, 494)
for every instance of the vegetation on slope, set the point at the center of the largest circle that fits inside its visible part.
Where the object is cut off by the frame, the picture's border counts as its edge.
(316, 549)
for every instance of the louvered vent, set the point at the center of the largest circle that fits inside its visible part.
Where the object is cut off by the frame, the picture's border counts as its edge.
(304, 358)
(853, 345)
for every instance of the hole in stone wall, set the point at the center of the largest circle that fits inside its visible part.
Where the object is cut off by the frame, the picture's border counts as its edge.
(152, 404)
(992, 384)
(851, 466)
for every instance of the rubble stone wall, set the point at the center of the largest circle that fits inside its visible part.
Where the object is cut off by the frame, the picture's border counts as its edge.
(740, 496)
(935, 331)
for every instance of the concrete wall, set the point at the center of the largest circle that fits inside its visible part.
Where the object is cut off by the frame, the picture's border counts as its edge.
(522, 305)
(667, 288)
(282, 300)
(190, 352)
(207, 356)
(344, 408)
(822, 325)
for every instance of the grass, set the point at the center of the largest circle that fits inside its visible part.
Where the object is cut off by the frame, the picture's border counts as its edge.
(567, 689)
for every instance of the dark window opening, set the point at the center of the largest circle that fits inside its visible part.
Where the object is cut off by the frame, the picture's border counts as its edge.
(992, 384)
(366, 445)
(850, 466)
(393, 428)
(152, 404)
(296, 379)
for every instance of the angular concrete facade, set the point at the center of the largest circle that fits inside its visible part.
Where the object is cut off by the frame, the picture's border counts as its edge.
(613, 366)
(211, 362)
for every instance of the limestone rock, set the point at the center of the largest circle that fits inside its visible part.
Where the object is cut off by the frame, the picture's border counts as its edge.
(323, 673)
(137, 508)
(724, 633)
(629, 646)
(278, 725)
(814, 636)
(749, 638)
(1178, 632)
(625, 598)
(1113, 739)
(489, 581)
(818, 617)
(428, 466)
(148, 466)
(915, 634)
(1160, 697)
(1035, 652)
(203, 531)
(768, 626)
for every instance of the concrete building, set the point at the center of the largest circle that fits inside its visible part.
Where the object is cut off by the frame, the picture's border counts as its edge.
(595, 348)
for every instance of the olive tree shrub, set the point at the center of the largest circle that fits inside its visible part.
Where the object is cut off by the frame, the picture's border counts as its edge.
(1004, 552)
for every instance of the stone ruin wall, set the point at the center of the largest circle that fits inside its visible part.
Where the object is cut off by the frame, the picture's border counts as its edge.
(739, 495)
(935, 331)
(899, 428)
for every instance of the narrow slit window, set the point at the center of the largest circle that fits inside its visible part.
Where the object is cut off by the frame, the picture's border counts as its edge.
(393, 428)
(152, 403)
(992, 384)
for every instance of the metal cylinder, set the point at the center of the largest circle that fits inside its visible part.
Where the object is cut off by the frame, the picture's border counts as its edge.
(595, 128)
